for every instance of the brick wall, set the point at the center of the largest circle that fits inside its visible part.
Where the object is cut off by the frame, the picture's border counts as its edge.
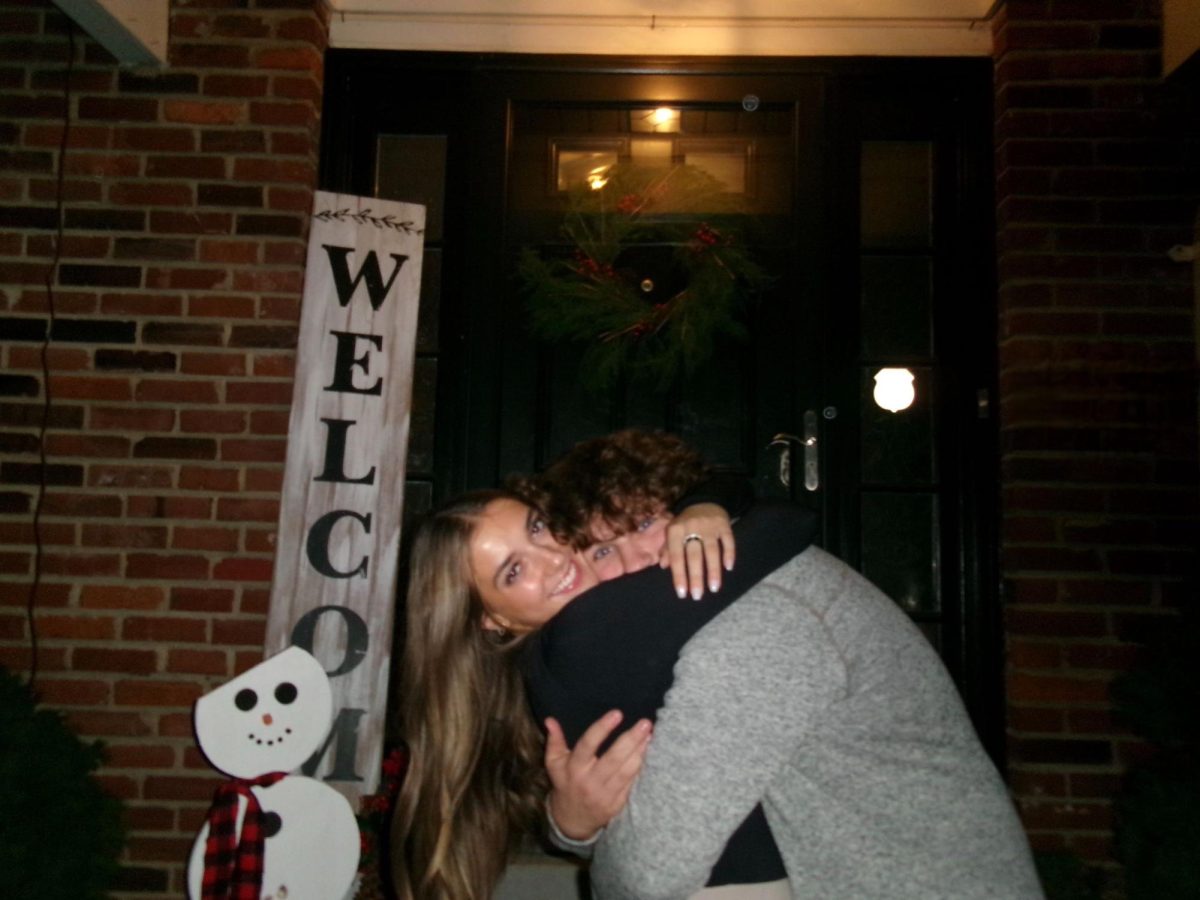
(1096, 179)
(185, 198)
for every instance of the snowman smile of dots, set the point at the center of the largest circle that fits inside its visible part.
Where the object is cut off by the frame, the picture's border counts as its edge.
(247, 699)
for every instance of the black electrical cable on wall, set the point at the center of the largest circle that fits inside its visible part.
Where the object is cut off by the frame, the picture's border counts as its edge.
(51, 278)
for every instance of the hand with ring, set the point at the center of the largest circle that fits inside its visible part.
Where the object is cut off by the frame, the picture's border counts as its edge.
(699, 546)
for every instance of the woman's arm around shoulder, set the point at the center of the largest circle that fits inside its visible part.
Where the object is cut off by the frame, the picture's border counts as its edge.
(769, 534)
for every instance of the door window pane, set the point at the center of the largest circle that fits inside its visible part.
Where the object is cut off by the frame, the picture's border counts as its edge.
(933, 634)
(652, 151)
(897, 305)
(899, 548)
(431, 301)
(412, 168)
(896, 194)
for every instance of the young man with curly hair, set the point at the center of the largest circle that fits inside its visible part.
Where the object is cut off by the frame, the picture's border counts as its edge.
(812, 707)
(616, 497)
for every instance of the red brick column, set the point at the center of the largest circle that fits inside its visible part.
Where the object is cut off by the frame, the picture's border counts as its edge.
(1095, 167)
(176, 301)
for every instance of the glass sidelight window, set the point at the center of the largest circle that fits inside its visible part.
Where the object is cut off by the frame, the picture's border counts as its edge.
(900, 530)
(412, 168)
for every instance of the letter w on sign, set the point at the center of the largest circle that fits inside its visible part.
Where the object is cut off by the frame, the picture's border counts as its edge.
(339, 523)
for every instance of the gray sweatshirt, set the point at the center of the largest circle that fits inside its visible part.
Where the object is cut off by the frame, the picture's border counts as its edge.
(815, 694)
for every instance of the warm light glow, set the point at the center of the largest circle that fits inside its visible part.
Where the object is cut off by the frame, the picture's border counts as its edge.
(663, 115)
(598, 178)
(894, 389)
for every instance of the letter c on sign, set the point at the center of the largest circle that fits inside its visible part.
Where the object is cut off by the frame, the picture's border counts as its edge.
(317, 545)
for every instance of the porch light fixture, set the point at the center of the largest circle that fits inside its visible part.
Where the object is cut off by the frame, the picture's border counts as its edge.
(894, 389)
(661, 120)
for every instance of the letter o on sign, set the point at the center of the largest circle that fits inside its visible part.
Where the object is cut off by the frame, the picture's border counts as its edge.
(357, 637)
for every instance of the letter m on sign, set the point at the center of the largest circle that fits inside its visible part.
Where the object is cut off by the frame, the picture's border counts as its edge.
(339, 521)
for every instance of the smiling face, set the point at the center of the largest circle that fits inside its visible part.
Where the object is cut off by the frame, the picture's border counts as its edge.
(522, 574)
(269, 719)
(614, 555)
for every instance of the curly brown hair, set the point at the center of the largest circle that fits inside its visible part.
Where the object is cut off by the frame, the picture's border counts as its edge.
(621, 477)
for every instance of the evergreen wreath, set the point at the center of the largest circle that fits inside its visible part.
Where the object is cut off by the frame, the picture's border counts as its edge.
(656, 271)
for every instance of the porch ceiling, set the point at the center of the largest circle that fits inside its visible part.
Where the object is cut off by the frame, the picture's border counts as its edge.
(670, 27)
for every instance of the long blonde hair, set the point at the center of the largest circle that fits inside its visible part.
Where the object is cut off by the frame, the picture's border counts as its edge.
(475, 779)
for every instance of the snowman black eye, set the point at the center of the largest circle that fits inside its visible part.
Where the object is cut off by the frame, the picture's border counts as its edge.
(285, 692)
(245, 699)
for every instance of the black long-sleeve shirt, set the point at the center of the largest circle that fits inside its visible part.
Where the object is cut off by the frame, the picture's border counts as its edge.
(615, 647)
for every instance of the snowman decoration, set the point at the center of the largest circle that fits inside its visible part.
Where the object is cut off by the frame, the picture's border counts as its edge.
(271, 835)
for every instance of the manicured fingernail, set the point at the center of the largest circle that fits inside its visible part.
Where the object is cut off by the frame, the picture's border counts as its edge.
(697, 593)
(681, 591)
(728, 567)
(714, 586)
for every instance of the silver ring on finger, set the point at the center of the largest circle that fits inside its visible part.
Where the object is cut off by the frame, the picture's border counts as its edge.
(691, 537)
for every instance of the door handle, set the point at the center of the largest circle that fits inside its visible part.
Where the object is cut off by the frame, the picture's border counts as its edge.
(784, 441)
(812, 458)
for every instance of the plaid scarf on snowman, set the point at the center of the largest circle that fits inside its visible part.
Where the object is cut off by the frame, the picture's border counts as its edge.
(233, 863)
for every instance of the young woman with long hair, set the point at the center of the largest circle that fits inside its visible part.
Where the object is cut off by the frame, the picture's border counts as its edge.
(475, 776)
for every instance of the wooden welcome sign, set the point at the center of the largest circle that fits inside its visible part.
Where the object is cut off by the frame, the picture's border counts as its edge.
(334, 586)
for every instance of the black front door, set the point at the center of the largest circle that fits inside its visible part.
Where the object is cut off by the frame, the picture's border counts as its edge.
(859, 187)
(764, 150)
